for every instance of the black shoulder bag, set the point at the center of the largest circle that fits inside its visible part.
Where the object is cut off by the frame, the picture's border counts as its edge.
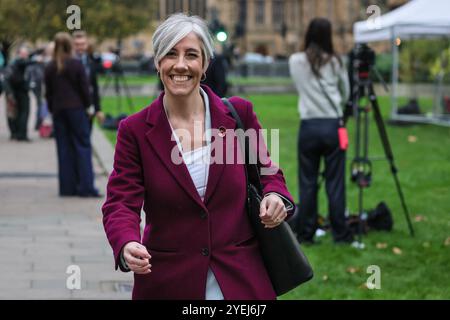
(286, 264)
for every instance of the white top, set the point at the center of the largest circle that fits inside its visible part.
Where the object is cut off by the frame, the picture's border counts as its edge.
(197, 163)
(313, 103)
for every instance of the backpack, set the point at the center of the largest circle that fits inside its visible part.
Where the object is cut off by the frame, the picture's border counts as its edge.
(112, 123)
(380, 218)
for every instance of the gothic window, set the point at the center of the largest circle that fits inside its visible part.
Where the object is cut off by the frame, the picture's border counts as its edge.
(259, 11)
(277, 12)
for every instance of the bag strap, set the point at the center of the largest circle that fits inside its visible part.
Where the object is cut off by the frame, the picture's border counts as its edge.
(341, 121)
(251, 169)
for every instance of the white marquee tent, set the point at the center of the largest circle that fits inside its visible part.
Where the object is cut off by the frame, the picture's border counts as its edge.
(416, 18)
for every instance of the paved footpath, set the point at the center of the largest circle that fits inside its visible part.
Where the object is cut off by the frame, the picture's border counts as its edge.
(42, 235)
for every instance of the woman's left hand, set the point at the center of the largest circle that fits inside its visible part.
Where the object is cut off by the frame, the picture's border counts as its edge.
(272, 211)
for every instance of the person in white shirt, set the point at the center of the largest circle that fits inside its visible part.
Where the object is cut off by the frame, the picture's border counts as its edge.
(322, 83)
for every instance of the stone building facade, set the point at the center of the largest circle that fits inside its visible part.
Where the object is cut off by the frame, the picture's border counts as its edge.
(269, 27)
(277, 27)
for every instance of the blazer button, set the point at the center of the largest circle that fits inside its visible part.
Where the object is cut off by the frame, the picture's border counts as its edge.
(203, 215)
(205, 252)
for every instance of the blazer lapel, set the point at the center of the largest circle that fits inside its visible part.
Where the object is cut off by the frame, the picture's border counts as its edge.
(220, 119)
(160, 138)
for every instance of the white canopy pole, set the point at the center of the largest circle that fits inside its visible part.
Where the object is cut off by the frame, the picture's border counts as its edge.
(394, 75)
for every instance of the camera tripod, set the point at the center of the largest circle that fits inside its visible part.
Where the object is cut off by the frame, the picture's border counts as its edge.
(361, 165)
(116, 75)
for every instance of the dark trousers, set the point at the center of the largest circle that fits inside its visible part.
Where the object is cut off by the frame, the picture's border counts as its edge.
(18, 125)
(76, 177)
(12, 125)
(38, 94)
(318, 139)
(91, 123)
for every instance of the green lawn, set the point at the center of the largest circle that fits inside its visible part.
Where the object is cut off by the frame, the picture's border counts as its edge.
(419, 269)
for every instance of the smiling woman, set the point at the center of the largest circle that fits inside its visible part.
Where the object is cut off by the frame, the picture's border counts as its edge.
(181, 69)
(198, 242)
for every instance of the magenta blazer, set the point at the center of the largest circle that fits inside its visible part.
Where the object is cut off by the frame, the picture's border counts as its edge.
(183, 234)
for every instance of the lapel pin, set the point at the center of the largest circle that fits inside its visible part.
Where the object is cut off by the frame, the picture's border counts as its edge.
(222, 132)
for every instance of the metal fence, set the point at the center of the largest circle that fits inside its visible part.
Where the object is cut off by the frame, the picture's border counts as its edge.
(272, 69)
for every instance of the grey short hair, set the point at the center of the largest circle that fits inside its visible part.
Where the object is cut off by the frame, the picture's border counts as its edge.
(175, 28)
(22, 47)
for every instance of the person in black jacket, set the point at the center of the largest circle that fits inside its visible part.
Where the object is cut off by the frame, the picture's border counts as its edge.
(19, 88)
(216, 74)
(81, 47)
(67, 94)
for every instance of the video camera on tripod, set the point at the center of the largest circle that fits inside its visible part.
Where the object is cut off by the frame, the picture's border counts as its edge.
(363, 100)
(361, 62)
(115, 75)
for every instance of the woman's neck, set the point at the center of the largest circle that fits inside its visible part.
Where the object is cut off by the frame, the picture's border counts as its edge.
(184, 108)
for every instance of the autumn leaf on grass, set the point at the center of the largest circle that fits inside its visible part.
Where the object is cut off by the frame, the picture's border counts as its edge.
(382, 245)
(352, 270)
(363, 286)
(412, 139)
(447, 242)
(419, 218)
(396, 250)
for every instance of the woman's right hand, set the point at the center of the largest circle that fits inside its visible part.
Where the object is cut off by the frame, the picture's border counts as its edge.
(137, 257)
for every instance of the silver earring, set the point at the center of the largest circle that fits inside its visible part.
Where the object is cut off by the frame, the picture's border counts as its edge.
(158, 74)
(203, 77)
